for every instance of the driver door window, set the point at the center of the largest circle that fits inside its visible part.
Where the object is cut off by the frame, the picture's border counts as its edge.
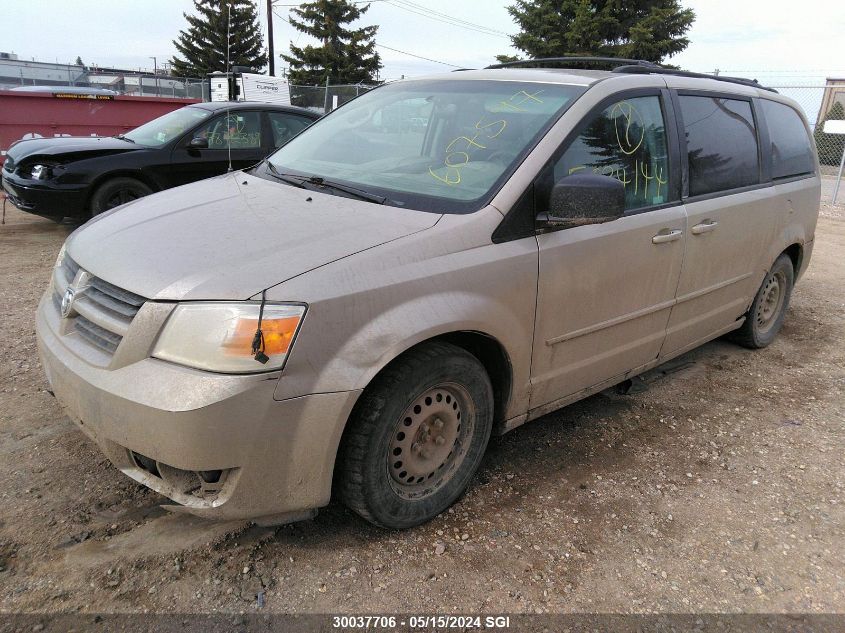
(627, 141)
(233, 137)
(238, 130)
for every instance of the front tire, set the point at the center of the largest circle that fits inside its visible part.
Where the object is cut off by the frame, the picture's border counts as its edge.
(768, 310)
(115, 192)
(416, 436)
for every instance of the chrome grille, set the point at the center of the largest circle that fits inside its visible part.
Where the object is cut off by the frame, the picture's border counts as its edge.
(103, 312)
(70, 268)
(115, 299)
(97, 335)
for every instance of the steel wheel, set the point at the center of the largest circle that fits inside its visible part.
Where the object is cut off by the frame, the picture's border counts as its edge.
(416, 436)
(771, 301)
(768, 310)
(429, 441)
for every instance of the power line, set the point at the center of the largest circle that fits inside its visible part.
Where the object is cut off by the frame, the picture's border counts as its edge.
(418, 9)
(413, 7)
(428, 59)
(475, 28)
(298, 32)
(299, 4)
(450, 17)
(396, 50)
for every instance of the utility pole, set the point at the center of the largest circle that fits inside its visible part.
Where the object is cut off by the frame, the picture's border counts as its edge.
(155, 75)
(270, 37)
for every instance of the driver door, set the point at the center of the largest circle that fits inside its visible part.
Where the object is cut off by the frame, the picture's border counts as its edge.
(605, 291)
(239, 130)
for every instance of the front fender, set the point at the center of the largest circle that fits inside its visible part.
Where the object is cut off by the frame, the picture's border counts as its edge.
(370, 308)
(399, 329)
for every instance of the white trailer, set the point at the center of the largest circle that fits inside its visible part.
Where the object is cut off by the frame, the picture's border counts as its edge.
(249, 87)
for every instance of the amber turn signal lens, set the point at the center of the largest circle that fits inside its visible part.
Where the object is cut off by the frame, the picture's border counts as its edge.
(217, 336)
(278, 334)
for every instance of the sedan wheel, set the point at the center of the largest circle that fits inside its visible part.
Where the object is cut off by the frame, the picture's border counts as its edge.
(116, 192)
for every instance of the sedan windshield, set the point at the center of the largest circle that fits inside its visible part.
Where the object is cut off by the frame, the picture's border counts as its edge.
(165, 128)
(431, 145)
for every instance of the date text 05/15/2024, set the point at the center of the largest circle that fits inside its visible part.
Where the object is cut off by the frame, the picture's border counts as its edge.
(342, 622)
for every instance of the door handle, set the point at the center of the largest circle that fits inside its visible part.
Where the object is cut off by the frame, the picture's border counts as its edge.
(669, 236)
(704, 227)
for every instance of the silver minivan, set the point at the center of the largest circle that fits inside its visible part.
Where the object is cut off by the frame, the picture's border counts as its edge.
(440, 259)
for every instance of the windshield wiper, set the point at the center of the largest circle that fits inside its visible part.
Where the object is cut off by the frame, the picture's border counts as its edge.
(298, 180)
(290, 179)
(353, 191)
(124, 138)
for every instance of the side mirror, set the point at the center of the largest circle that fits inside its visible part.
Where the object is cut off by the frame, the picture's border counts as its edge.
(582, 199)
(198, 143)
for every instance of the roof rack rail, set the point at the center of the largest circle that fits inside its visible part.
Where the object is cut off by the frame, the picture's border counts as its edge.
(661, 70)
(538, 61)
(633, 66)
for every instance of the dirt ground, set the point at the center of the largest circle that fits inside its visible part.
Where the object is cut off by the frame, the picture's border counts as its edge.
(719, 489)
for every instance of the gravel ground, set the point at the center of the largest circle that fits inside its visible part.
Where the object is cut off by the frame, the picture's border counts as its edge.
(719, 489)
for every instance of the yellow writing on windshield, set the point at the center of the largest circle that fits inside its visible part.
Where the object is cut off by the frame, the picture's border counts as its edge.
(458, 149)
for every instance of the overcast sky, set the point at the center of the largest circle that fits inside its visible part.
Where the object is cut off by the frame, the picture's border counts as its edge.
(752, 36)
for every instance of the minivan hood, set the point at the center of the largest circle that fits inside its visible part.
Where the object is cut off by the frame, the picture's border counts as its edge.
(230, 237)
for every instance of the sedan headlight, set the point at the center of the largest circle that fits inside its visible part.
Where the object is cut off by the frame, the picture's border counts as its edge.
(41, 171)
(219, 336)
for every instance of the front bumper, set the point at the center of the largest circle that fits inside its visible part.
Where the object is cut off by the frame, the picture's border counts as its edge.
(46, 199)
(163, 424)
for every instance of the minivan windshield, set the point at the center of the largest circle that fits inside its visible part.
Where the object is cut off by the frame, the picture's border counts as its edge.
(433, 145)
(165, 128)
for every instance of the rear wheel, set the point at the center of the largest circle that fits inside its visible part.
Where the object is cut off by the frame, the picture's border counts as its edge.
(765, 318)
(416, 437)
(116, 192)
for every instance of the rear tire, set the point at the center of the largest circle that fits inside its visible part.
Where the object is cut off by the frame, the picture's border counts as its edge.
(416, 436)
(768, 310)
(115, 192)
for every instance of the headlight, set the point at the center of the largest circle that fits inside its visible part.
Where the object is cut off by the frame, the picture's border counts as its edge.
(218, 336)
(40, 171)
(60, 258)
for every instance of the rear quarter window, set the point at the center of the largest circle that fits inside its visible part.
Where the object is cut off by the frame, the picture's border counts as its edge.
(792, 154)
(721, 144)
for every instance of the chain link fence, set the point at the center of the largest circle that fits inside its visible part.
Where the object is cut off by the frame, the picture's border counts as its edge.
(134, 85)
(324, 99)
(156, 86)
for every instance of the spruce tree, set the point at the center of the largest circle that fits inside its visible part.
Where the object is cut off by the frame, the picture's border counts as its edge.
(830, 146)
(638, 29)
(203, 44)
(344, 55)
